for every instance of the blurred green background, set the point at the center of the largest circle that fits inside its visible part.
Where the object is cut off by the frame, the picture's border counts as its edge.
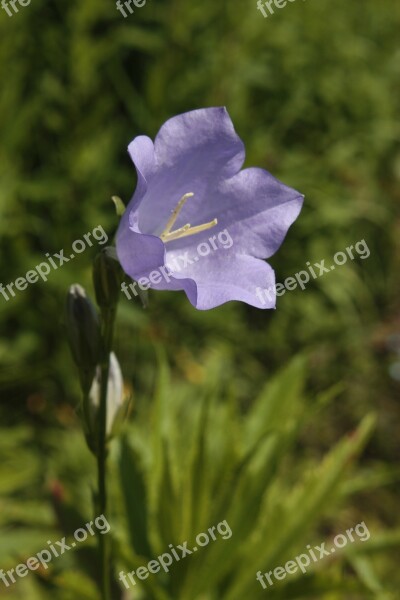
(313, 92)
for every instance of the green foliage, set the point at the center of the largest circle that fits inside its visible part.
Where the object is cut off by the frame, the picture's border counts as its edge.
(185, 468)
(188, 462)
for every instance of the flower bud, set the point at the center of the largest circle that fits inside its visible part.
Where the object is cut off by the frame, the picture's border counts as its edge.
(107, 277)
(116, 404)
(83, 330)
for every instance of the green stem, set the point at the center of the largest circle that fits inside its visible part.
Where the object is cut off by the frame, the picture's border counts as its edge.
(108, 318)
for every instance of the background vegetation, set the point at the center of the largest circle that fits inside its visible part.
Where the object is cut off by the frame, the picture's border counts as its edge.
(313, 91)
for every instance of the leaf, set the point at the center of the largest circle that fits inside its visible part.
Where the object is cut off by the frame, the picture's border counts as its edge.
(292, 518)
(119, 205)
(77, 583)
(135, 497)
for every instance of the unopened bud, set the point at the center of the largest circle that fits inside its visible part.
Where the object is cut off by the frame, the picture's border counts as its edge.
(83, 330)
(107, 278)
(116, 403)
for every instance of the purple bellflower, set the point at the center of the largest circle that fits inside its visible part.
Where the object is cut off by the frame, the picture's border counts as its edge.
(191, 195)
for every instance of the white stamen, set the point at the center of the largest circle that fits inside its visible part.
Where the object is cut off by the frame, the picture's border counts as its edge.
(175, 213)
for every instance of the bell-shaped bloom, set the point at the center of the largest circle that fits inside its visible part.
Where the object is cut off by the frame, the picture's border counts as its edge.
(199, 223)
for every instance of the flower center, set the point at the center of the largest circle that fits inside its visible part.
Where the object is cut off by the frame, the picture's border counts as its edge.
(169, 236)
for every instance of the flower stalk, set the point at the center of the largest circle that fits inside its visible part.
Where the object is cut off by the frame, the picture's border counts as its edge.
(106, 279)
(108, 320)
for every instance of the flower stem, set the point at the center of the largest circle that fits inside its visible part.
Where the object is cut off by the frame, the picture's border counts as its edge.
(108, 318)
